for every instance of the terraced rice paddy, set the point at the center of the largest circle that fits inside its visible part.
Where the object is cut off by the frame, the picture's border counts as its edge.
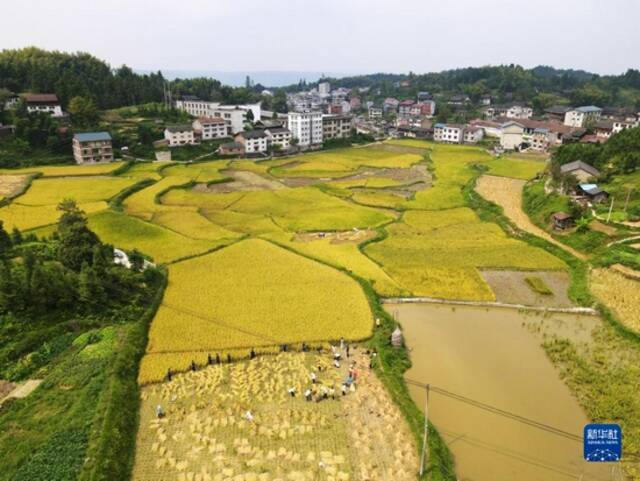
(207, 435)
(254, 294)
(11, 185)
(620, 293)
(66, 170)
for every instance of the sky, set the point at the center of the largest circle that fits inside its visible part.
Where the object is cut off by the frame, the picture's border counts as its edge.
(337, 36)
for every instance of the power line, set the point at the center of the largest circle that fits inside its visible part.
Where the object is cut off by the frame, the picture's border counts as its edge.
(500, 412)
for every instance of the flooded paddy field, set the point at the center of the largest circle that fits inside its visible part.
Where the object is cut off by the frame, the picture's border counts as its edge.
(492, 357)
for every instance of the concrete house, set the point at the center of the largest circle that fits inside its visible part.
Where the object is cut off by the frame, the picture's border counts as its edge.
(177, 135)
(404, 108)
(509, 111)
(511, 138)
(235, 116)
(336, 126)
(473, 134)
(375, 112)
(254, 141)
(92, 147)
(448, 133)
(306, 127)
(279, 136)
(47, 103)
(210, 128)
(581, 170)
(581, 116)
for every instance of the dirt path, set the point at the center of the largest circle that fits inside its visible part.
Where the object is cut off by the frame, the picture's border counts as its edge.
(507, 193)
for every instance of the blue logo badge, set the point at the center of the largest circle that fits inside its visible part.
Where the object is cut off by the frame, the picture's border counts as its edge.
(602, 443)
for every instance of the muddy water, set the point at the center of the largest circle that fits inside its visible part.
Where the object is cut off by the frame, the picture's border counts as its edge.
(488, 355)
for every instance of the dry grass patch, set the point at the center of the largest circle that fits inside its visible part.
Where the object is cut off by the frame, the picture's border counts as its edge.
(619, 293)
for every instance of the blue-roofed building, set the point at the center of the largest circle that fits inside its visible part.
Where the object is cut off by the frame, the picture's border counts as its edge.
(92, 147)
(581, 116)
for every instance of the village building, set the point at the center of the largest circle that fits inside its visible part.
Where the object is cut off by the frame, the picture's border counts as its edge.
(404, 108)
(512, 135)
(278, 136)
(459, 100)
(509, 111)
(336, 126)
(92, 147)
(485, 100)
(424, 96)
(426, 108)
(178, 135)
(556, 112)
(562, 221)
(413, 132)
(47, 103)
(592, 193)
(231, 148)
(210, 128)
(540, 139)
(306, 127)
(390, 104)
(603, 129)
(253, 141)
(473, 134)
(355, 103)
(582, 116)
(448, 133)
(580, 170)
(375, 112)
(235, 116)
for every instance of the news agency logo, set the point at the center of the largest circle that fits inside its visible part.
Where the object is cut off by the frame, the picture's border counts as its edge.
(602, 443)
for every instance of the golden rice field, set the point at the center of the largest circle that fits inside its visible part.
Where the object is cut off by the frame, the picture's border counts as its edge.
(30, 217)
(67, 170)
(206, 434)
(163, 245)
(147, 170)
(83, 189)
(438, 254)
(253, 294)
(618, 292)
(203, 172)
(514, 167)
(143, 203)
(11, 185)
(341, 162)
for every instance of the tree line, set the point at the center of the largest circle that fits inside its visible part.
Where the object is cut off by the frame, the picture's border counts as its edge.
(71, 273)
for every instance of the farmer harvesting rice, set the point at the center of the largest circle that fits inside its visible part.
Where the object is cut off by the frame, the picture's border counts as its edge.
(313, 377)
(292, 391)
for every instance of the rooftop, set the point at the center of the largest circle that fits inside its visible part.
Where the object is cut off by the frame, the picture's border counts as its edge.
(588, 109)
(41, 98)
(179, 128)
(253, 134)
(211, 120)
(580, 165)
(92, 136)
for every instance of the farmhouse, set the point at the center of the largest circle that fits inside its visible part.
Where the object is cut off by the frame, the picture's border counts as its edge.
(581, 116)
(512, 133)
(448, 133)
(561, 220)
(92, 147)
(279, 136)
(473, 135)
(231, 148)
(254, 141)
(180, 135)
(404, 108)
(509, 111)
(375, 112)
(556, 112)
(47, 103)
(580, 170)
(592, 193)
(210, 128)
(390, 104)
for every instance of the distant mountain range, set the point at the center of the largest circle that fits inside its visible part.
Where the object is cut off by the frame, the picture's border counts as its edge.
(237, 79)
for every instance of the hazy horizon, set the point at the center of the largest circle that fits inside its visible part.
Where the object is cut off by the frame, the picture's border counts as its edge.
(356, 37)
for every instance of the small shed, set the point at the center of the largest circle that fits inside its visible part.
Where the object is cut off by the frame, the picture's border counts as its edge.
(397, 339)
(562, 220)
(592, 192)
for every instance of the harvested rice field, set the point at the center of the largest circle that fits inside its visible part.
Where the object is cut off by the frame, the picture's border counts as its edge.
(237, 421)
(12, 185)
(620, 293)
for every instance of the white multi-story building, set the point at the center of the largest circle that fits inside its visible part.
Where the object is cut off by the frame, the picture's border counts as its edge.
(235, 116)
(279, 136)
(47, 103)
(306, 127)
(448, 133)
(254, 141)
(375, 112)
(581, 116)
(92, 147)
(178, 135)
(324, 88)
(510, 111)
(207, 129)
(622, 124)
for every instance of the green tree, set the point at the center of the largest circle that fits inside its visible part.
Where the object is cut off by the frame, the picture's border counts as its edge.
(5, 241)
(84, 111)
(77, 241)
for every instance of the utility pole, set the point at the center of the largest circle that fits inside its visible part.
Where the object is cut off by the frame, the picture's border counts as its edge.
(610, 209)
(424, 458)
(626, 202)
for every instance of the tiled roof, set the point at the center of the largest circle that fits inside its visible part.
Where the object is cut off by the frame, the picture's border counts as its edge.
(92, 136)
